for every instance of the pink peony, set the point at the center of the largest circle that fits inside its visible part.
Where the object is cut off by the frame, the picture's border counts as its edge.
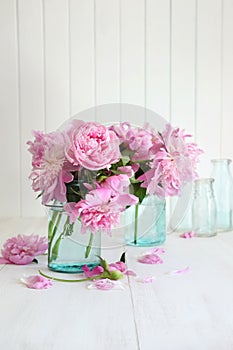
(119, 265)
(37, 282)
(96, 271)
(139, 141)
(100, 210)
(173, 165)
(50, 170)
(92, 145)
(118, 184)
(22, 249)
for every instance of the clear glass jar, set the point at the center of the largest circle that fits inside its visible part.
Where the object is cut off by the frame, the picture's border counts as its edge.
(223, 191)
(145, 223)
(204, 208)
(69, 249)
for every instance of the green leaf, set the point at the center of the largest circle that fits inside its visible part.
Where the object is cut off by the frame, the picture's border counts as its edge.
(125, 160)
(140, 193)
(122, 258)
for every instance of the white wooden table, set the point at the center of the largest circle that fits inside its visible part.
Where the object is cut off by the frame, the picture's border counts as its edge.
(192, 311)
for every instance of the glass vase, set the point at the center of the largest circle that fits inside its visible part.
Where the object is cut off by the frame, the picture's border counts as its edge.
(223, 190)
(145, 223)
(204, 208)
(69, 249)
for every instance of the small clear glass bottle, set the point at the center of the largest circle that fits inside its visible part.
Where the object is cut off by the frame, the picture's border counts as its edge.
(223, 191)
(204, 208)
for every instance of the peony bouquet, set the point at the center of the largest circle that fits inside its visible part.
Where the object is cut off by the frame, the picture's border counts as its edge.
(98, 171)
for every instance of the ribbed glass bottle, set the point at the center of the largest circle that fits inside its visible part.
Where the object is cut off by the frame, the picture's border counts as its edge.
(204, 208)
(223, 190)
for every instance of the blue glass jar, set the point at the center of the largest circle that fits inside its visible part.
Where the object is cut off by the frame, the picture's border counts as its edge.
(145, 223)
(69, 249)
(204, 208)
(223, 190)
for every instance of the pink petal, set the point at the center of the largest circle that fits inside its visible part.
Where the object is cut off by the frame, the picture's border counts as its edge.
(94, 272)
(150, 259)
(4, 261)
(105, 284)
(130, 273)
(156, 251)
(179, 272)
(148, 279)
(189, 234)
(37, 282)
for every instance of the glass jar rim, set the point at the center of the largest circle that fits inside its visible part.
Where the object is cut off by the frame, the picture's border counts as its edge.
(204, 180)
(220, 160)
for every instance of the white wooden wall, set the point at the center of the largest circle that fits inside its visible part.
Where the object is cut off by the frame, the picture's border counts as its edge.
(59, 57)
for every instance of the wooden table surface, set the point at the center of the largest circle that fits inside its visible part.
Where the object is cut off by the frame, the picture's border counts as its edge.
(190, 311)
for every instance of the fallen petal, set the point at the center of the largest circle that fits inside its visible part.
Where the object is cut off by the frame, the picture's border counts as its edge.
(150, 259)
(189, 234)
(148, 279)
(179, 272)
(105, 284)
(37, 282)
(156, 251)
(130, 273)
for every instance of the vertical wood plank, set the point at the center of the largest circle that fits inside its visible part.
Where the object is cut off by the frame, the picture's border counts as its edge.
(227, 82)
(133, 54)
(31, 73)
(107, 58)
(9, 131)
(158, 57)
(183, 64)
(82, 57)
(208, 80)
(56, 34)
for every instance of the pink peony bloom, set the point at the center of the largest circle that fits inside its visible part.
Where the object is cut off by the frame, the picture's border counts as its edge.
(100, 210)
(92, 145)
(37, 282)
(118, 184)
(139, 141)
(119, 265)
(173, 165)
(96, 271)
(23, 249)
(50, 170)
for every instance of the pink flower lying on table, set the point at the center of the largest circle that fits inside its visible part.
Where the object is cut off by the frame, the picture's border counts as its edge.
(37, 282)
(22, 249)
(96, 271)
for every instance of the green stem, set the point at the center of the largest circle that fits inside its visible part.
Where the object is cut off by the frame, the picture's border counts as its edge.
(51, 224)
(104, 274)
(136, 223)
(55, 227)
(88, 248)
(64, 280)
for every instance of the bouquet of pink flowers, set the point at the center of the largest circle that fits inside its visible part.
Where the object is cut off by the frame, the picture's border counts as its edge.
(99, 171)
